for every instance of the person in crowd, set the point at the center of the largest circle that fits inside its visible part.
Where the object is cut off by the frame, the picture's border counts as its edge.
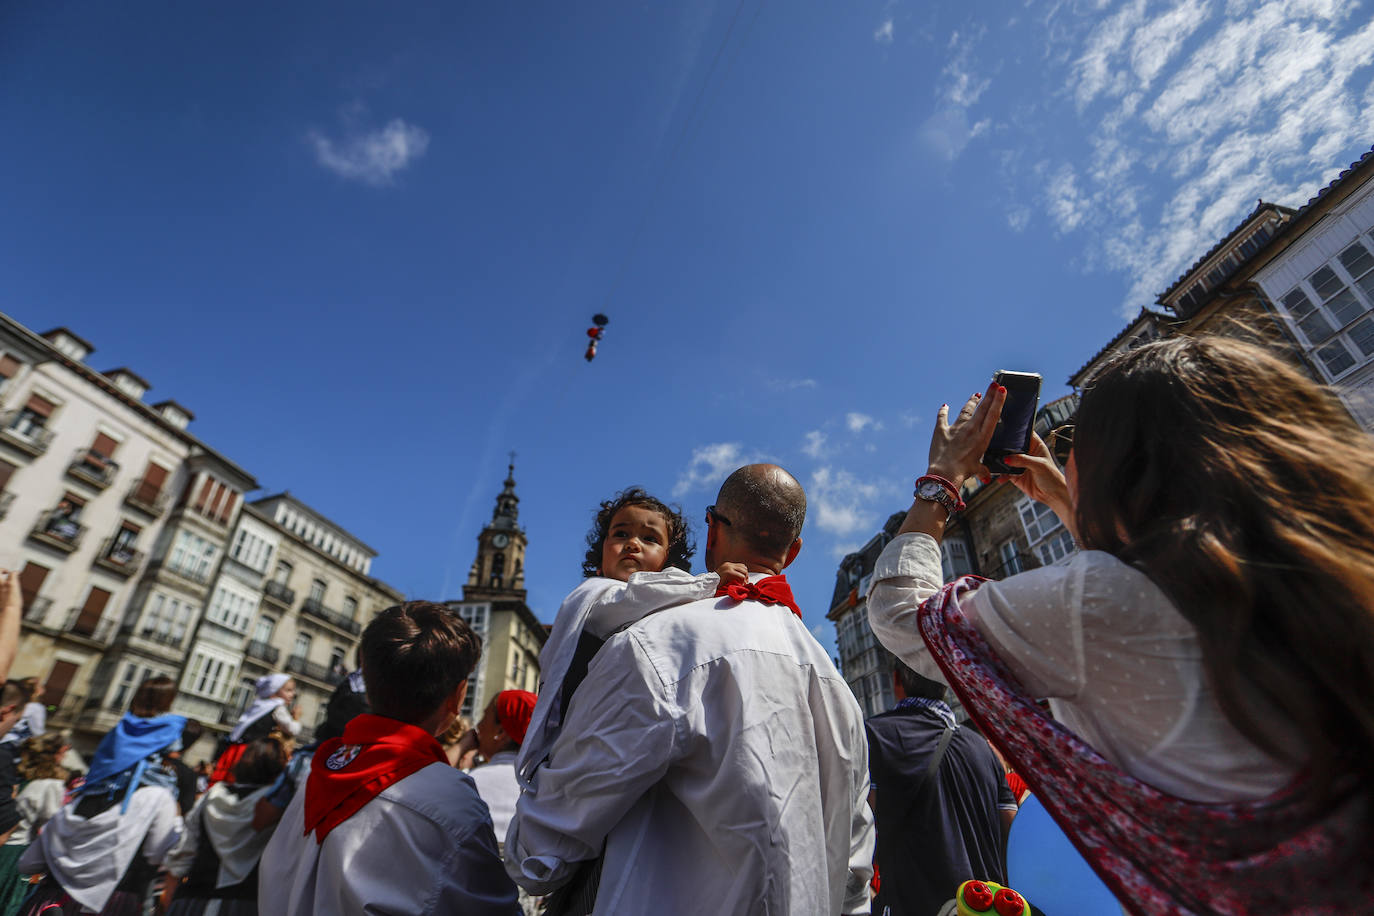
(34, 720)
(187, 785)
(498, 736)
(202, 777)
(214, 866)
(384, 824)
(43, 794)
(12, 699)
(269, 712)
(11, 612)
(938, 797)
(101, 851)
(460, 744)
(713, 758)
(1208, 654)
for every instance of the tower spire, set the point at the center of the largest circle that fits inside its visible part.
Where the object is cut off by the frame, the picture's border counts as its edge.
(507, 509)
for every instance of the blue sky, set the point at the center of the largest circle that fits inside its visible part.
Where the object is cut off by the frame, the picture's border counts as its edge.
(363, 242)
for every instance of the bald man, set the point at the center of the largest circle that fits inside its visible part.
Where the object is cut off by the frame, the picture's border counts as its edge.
(713, 758)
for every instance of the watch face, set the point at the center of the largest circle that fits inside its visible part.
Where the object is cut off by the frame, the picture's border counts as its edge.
(500, 540)
(930, 490)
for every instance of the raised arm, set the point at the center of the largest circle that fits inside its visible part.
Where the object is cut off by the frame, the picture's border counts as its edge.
(11, 611)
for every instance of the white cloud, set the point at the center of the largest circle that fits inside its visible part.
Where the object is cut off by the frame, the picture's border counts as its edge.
(790, 384)
(1018, 218)
(883, 34)
(372, 157)
(844, 549)
(710, 464)
(1067, 203)
(840, 502)
(815, 443)
(909, 419)
(858, 422)
(961, 87)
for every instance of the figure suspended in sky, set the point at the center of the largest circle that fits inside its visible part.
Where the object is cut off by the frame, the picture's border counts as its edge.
(596, 332)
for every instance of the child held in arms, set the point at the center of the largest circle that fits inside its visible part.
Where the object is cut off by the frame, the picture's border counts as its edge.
(639, 554)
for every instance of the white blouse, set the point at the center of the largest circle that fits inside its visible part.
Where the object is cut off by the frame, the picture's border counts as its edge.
(1121, 667)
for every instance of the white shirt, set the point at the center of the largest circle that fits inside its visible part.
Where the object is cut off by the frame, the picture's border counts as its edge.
(39, 801)
(720, 756)
(496, 783)
(600, 607)
(224, 819)
(1121, 667)
(422, 846)
(89, 856)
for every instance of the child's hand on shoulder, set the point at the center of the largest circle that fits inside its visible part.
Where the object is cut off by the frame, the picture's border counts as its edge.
(732, 573)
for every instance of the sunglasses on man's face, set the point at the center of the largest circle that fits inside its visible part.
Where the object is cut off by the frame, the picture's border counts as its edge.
(1060, 443)
(712, 514)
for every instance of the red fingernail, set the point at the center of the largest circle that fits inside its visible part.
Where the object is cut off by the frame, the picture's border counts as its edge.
(1001, 389)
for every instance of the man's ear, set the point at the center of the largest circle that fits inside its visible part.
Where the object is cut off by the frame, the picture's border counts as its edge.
(792, 553)
(457, 697)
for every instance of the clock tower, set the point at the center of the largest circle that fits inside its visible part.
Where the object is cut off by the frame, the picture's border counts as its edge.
(498, 572)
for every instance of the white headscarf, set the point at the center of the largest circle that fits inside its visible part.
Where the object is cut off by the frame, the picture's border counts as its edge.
(267, 700)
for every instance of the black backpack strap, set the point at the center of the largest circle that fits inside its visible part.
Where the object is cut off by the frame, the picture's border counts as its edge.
(934, 766)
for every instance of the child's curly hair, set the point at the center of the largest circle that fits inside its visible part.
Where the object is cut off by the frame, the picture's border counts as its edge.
(680, 545)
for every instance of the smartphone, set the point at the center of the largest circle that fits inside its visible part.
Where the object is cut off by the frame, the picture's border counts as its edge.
(1013, 433)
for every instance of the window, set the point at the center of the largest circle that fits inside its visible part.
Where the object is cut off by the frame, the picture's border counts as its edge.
(33, 417)
(192, 555)
(336, 661)
(302, 647)
(1011, 558)
(209, 676)
(1331, 308)
(350, 608)
(1038, 519)
(167, 619)
(263, 631)
(475, 617)
(231, 609)
(954, 558)
(283, 572)
(1057, 547)
(317, 588)
(251, 550)
(127, 682)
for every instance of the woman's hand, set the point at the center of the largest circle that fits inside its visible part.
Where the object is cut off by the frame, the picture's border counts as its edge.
(956, 452)
(1043, 481)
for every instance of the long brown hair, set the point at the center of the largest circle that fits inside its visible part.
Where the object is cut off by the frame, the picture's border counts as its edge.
(1246, 492)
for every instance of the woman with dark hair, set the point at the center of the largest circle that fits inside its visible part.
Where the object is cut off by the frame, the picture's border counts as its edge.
(1209, 654)
(43, 792)
(216, 859)
(90, 850)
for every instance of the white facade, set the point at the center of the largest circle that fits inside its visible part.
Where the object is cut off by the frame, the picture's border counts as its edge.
(1323, 287)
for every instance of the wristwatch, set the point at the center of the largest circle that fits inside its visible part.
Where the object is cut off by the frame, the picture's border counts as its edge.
(938, 490)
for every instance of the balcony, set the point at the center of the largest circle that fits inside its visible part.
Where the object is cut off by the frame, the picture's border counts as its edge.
(99, 631)
(68, 708)
(198, 574)
(260, 650)
(164, 639)
(92, 468)
(58, 530)
(37, 609)
(313, 670)
(279, 593)
(146, 498)
(18, 429)
(118, 558)
(6, 500)
(315, 608)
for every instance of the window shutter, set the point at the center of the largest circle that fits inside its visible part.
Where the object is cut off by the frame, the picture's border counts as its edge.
(40, 405)
(204, 494)
(59, 679)
(6, 471)
(9, 366)
(104, 445)
(90, 611)
(227, 511)
(31, 580)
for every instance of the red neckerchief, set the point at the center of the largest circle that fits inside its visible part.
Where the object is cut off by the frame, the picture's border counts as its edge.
(347, 773)
(771, 590)
(1160, 855)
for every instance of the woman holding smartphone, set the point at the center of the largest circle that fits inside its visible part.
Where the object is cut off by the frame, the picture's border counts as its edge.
(1208, 656)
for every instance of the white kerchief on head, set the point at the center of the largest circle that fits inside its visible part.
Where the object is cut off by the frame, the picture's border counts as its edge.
(269, 684)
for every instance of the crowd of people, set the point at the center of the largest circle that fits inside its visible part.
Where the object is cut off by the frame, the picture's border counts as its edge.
(1187, 696)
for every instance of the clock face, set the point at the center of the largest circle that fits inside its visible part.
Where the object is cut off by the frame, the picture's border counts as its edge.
(499, 540)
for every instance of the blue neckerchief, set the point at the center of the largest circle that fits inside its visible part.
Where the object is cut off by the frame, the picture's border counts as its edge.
(122, 760)
(939, 707)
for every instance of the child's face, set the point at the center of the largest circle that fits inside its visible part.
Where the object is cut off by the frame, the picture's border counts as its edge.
(636, 542)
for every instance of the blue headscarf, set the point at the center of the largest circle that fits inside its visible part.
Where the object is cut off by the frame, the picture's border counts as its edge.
(121, 761)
